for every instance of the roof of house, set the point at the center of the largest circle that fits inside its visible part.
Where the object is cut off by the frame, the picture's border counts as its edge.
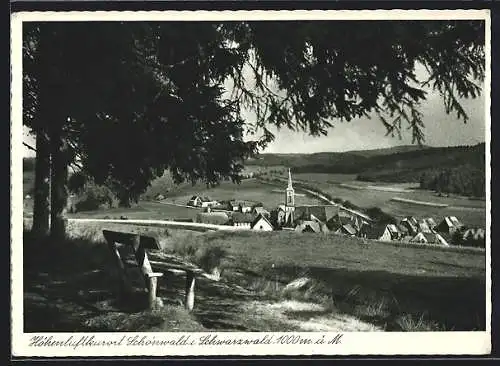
(258, 218)
(393, 228)
(409, 224)
(261, 210)
(301, 213)
(429, 237)
(422, 226)
(411, 219)
(455, 221)
(430, 221)
(242, 202)
(342, 218)
(475, 233)
(241, 217)
(402, 228)
(349, 229)
(322, 213)
(216, 218)
(451, 221)
(309, 226)
(373, 231)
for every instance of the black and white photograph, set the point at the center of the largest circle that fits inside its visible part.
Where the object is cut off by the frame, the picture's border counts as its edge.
(251, 183)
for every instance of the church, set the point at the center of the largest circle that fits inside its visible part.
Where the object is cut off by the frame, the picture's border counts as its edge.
(286, 211)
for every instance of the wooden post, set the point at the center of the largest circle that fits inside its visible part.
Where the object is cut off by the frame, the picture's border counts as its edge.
(190, 283)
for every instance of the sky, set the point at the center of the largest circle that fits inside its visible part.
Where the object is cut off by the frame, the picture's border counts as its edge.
(365, 134)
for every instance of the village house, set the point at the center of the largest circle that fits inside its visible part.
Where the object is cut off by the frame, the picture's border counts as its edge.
(423, 227)
(429, 238)
(308, 227)
(241, 206)
(474, 234)
(259, 210)
(411, 224)
(449, 225)
(198, 201)
(315, 213)
(391, 232)
(381, 232)
(430, 222)
(403, 230)
(261, 223)
(346, 229)
(241, 219)
(475, 237)
(339, 219)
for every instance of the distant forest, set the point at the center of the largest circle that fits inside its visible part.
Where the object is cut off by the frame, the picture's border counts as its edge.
(459, 170)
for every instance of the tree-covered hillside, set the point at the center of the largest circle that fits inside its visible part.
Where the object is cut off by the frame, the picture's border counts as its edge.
(459, 169)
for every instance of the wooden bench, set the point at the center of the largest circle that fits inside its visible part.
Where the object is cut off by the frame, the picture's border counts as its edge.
(141, 243)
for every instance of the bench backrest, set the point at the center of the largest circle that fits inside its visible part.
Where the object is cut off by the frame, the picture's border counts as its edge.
(146, 241)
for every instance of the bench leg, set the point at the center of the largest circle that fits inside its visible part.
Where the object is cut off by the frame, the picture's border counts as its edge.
(153, 283)
(190, 284)
(125, 286)
(154, 302)
(142, 260)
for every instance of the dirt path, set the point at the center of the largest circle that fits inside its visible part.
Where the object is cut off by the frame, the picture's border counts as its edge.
(225, 306)
(72, 297)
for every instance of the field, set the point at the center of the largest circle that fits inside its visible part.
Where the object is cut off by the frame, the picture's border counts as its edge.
(143, 210)
(173, 206)
(470, 212)
(354, 286)
(248, 190)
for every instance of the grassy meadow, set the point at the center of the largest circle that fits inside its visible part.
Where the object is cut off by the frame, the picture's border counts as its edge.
(248, 190)
(446, 287)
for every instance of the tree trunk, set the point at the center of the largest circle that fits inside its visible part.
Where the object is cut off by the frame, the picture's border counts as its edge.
(41, 209)
(123, 199)
(59, 187)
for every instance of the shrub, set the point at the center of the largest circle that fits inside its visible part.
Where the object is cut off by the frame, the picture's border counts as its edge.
(380, 216)
(92, 197)
(210, 258)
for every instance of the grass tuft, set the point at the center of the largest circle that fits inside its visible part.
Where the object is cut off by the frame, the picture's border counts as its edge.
(410, 323)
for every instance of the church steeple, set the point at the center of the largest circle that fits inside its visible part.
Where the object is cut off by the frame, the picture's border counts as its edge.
(290, 192)
(289, 179)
